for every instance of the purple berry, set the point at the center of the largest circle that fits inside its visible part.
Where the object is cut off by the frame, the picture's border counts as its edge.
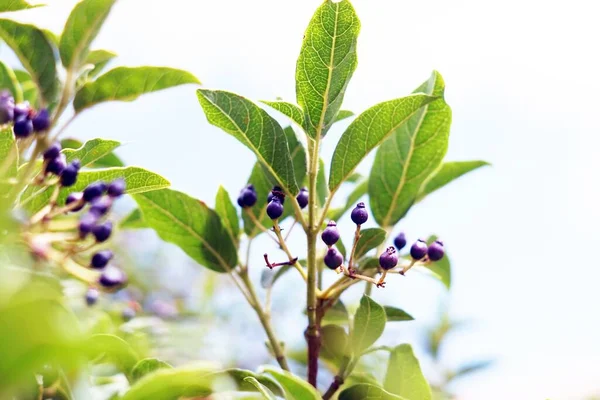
(75, 197)
(388, 259)
(247, 197)
(435, 252)
(333, 258)
(41, 121)
(102, 231)
(91, 296)
(22, 110)
(116, 188)
(330, 234)
(87, 223)
(274, 208)
(112, 277)
(128, 314)
(94, 190)
(400, 241)
(418, 250)
(359, 215)
(56, 165)
(302, 197)
(7, 107)
(68, 177)
(52, 151)
(101, 259)
(277, 191)
(22, 127)
(100, 205)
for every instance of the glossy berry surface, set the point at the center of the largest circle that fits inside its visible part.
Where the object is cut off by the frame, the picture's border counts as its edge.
(435, 251)
(333, 258)
(41, 121)
(94, 190)
(91, 296)
(87, 223)
(331, 234)
(102, 231)
(276, 192)
(22, 110)
(68, 177)
(112, 277)
(23, 127)
(418, 250)
(52, 151)
(100, 206)
(56, 165)
(400, 241)
(101, 259)
(274, 208)
(359, 214)
(116, 188)
(302, 198)
(388, 259)
(247, 197)
(75, 197)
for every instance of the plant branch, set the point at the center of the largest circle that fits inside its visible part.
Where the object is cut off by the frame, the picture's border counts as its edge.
(338, 379)
(293, 260)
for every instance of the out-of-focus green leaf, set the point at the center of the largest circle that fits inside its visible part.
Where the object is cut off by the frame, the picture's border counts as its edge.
(30, 90)
(291, 110)
(337, 314)
(107, 160)
(17, 5)
(369, 239)
(441, 269)
(146, 366)
(334, 340)
(9, 81)
(297, 152)
(226, 210)
(113, 349)
(9, 154)
(396, 314)
(99, 59)
(470, 368)
(265, 391)
(268, 276)
(343, 114)
(369, 322)
(448, 172)
(365, 391)
(359, 191)
(404, 377)
(295, 388)
(322, 189)
(133, 220)
(240, 378)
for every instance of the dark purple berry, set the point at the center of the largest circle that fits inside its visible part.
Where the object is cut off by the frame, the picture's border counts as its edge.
(101, 259)
(333, 258)
(56, 165)
(435, 252)
(400, 241)
(91, 296)
(22, 110)
(22, 127)
(69, 175)
(418, 250)
(302, 198)
(388, 259)
(52, 151)
(93, 191)
(7, 107)
(41, 121)
(102, 231)
(276, 192)
(274, 208)
(247, 197)
(330, 234)
(116, 188)
(128, 314)
(359, 215)
(112, 277)
(75, 197)
(100, 205)
(87, 223)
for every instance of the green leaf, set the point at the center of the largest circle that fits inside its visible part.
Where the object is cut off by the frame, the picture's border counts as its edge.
(137, 180)
(267, 394)
(359, 191)
(369, 322)
(268, 277)
(335, 342)
(322, 190)
(407, 158)
(92, 151)
(35, 53)
(226, 210)
(448, 172)
(340, 246)
(470, 368)
(9, 154)
(297, 152)
(241, 376)
(114, 349)
(369, 239)
(99, 59)
(326, 63)
(134, 220)
(191, 225)
(109, 159)
(288, 109)
(364, 391)
(146, 366)
(17, 5)
(343, 114)
(9, 81)
(368, 131)
(295, 388)
(396, 314)
(81, 29)
(253, 127)
(404, 377)
(140, 80)
(30, 90)
(173, 383)
(441, 270)
(337, 314)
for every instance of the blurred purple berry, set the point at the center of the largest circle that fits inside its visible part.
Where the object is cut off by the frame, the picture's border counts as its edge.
(87, 223)
(333, 258)
(274, 208)
(247, 197)
(22, 127)
(302, 197)
(100, 205)
(94, 190)
(435, 252)
(75, 197)
(102, 231)
(400, 241)
(330, 234)
(277, 191)
(388, 259)
(112, 277)
(56, 165)
(128, 314)
(41, 120)
(91, 296)
(418, 250)
(52, 151)
(69, 175)
(22, 110)
(116, 188)
(7, 107)
(101, 259)
(359, 215)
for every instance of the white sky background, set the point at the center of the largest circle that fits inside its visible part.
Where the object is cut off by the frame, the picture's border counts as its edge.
(522, 81)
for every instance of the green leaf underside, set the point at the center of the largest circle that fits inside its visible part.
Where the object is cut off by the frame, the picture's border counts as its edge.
(365, 391)
(242, 377)
(228, 214)
(297, 152)
(99, 59)
(369, 323)
(34, 51)
(404, 377)
(368, 131)
(295, 388)
(262, 389)
(113, 348)
(254, 128)
(30, 90)
(326, 63)
(322, 190)
(81, 29)
(140, 80)
(396, 314)
(191, 225)
(137, 180)
(9, 153)
(134, 220)
(147, 366)
(288, 109)
(369, 239)
(335, 342)
(105, 161)
(343, 114)
(448, 172)
(359, 191)
(9, 81)
(172, 384)
(92, 151)
(409, 156)
(17, 5)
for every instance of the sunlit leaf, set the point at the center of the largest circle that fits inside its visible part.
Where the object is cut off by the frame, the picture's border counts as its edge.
(404, 377)
(369, 322)
(448, 172)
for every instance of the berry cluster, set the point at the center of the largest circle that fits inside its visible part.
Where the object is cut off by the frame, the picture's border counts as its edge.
(55, 163)
(25, 120)
(275, 200)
